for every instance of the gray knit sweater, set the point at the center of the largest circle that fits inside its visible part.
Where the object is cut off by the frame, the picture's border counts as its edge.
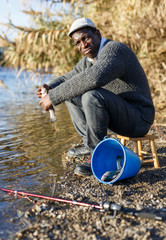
(116, 69)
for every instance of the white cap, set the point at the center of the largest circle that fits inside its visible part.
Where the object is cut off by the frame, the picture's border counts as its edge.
(80, 23)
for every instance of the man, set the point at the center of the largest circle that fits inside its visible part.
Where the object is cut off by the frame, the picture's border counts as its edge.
(107, 89)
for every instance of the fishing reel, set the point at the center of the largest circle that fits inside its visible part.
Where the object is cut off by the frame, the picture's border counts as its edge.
(112, 208)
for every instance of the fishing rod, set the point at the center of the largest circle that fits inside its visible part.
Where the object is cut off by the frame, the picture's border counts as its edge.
(24, 194)
(110, 207)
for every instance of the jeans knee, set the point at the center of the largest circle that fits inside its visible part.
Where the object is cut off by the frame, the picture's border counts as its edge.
(90, 98)
(75, 101)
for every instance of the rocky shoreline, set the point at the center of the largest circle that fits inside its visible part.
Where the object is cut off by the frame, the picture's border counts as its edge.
(146, 192)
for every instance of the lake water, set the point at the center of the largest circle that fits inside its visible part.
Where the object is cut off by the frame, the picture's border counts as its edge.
(30, 146)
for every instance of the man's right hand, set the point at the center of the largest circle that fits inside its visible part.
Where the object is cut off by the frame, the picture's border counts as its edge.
(39, 93)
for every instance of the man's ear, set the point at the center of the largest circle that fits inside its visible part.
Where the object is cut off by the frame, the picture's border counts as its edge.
(98, 33)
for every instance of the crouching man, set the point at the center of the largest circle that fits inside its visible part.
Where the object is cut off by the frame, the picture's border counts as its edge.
(107, 89)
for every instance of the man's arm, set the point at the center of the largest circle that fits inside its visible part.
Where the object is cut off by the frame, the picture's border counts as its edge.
(45, 101)
(59, 80)
(108, 67)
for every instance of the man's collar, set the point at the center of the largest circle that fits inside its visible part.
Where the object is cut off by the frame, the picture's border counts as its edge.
(103, 40)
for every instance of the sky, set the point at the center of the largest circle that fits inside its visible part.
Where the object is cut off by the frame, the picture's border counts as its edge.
(12, 9)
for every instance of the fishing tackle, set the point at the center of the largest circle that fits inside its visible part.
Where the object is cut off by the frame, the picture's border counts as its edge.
(116, 208)
(112, 208)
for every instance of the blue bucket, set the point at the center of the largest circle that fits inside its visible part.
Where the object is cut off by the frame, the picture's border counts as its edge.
(105, 156)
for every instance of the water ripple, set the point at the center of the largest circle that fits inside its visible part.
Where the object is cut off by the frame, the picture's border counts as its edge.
(30, 146)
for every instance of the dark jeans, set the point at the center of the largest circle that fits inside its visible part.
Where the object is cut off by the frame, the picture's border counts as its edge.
(98, 110)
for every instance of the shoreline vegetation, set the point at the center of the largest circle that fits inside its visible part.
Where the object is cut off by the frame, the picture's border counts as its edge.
(46, 48)
(142, 26)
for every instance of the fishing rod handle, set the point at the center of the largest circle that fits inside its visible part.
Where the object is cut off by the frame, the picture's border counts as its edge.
(51, 110)
(148, 215)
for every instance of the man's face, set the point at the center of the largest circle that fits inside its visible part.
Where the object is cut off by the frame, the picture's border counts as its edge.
(87, 42)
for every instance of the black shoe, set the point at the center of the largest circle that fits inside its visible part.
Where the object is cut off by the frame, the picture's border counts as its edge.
(79, 151)
(83, 169)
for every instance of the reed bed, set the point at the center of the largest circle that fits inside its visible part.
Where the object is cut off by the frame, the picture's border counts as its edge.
(141, 25)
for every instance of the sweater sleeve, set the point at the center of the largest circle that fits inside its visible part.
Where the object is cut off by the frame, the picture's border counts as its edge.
(110, 65)
(58, 80)
(55, 82)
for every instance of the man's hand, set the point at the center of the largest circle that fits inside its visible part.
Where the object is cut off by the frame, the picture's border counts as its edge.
(39, 93)
(45, 103)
